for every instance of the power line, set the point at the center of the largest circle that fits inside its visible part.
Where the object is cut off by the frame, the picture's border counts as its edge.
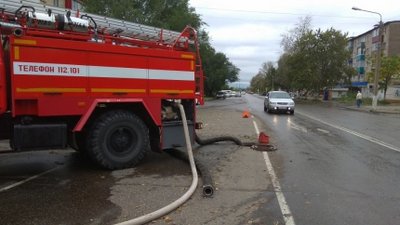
(280, 13)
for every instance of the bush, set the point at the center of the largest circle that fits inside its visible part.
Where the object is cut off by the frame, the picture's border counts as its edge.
(349, 98)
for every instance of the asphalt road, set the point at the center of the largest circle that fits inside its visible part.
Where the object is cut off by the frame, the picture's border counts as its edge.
(336, 166)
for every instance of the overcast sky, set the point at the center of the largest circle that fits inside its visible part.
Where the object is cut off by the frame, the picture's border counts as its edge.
(249, 32)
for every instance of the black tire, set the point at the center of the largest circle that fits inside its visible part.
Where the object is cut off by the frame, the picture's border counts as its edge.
(118, 139)
(78, 142)
(292, 112)
(265, 109)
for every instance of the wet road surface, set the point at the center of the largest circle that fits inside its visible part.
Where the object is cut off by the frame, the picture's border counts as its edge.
(327, 175)
(330, 176)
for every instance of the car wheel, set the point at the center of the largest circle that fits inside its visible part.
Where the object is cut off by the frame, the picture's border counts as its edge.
(265, 108)
(292, 112)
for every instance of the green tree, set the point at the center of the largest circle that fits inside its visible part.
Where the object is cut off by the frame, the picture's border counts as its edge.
(269, 72)
(313, 59)
(264, 80)
(331, 58)
(290, 39)
(390, 69)
(258, 83)
(218, 70)
(168, 14)
(283, 72)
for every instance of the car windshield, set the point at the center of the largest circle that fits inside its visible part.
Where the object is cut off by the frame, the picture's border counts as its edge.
(279, 95)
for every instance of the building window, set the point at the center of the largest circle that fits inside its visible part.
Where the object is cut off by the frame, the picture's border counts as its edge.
(374, 47)
(375, 32)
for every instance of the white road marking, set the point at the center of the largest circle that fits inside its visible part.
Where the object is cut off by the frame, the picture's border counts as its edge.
(323, 131)
(287, 215)
(255, 126)
(297, 127)
(26, 180)
(363, 136)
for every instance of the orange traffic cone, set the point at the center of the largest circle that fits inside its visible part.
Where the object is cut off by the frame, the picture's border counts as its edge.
(263, 139)
(246, 114)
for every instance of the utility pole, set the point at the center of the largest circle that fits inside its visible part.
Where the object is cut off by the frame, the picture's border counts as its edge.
(378, 57)
(378, 65)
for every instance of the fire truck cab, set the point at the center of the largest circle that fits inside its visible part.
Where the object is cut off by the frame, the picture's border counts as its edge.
(102, 86)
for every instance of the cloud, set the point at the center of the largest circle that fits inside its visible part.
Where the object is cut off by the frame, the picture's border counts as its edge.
(249, 32)
(247, 44)
(244, 33)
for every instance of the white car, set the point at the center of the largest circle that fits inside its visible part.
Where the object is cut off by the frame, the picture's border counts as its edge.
(221, 94)
(278, 101)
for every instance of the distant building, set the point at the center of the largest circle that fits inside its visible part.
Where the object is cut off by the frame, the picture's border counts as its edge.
(364, 46)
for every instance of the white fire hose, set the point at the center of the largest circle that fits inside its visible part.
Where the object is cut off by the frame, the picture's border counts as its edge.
(167, 209)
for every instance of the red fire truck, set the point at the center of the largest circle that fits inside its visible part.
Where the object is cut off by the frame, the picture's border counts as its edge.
(102, 86)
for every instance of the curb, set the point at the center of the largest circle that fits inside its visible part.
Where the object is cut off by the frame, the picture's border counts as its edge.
(371, 110)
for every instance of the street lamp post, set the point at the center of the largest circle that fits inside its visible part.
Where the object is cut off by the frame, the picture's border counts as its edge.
(378, 57)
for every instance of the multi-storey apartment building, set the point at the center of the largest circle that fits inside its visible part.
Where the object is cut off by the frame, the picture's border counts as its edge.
(364, 49)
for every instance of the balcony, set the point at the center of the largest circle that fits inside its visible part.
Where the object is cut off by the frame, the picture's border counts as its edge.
(360, 57)
(375, 39)
(360, 70)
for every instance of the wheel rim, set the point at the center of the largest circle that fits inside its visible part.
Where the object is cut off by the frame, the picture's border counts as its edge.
(121, 141)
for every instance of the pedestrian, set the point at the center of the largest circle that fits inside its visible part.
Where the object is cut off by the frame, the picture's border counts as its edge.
(359, 99)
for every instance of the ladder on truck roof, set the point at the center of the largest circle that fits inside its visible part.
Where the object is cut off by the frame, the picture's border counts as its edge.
(102, 24)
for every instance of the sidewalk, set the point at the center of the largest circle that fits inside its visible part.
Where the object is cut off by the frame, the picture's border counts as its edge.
(391, 109)
(239, 174)
(388, 108)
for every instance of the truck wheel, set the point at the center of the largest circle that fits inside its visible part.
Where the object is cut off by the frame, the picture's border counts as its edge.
(118, 139)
